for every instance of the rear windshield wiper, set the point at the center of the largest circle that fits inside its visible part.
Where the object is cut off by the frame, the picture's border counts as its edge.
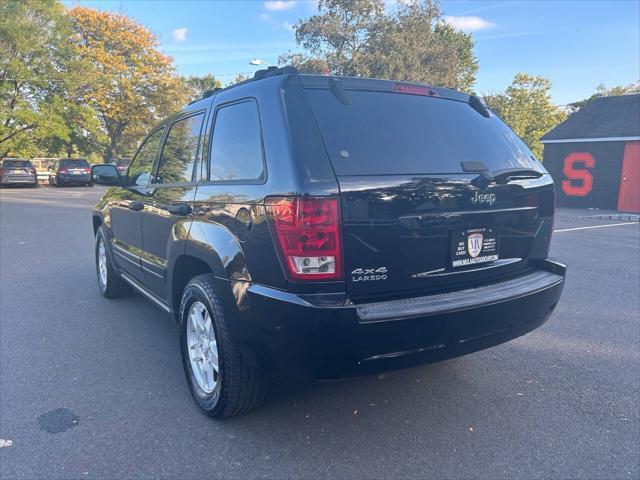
(504, 175)
(339, 92)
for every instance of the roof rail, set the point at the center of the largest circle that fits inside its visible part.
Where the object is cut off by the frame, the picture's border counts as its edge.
(259, 75)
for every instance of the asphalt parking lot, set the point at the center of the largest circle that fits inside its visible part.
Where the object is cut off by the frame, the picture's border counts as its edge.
(561, 402)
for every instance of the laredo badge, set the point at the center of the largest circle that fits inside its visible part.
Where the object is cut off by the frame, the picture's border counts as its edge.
(369, 274)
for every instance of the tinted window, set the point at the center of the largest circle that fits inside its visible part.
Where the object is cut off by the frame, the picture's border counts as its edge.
(236, 145)
(140, 169)
(74, 163)
(180, 150)
(392, 133)
(16, 164)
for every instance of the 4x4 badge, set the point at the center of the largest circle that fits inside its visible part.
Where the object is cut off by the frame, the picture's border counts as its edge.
(369, 274)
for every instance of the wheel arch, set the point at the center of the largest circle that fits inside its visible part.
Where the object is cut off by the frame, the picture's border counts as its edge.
(209, 248)
(184, 269)
(97, 221)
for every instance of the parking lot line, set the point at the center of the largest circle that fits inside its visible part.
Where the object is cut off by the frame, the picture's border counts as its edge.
(594, 226)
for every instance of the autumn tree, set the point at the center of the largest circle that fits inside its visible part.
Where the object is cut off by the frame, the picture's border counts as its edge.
(527, 107)
(134, 85)
(198, 85)
(411, 43)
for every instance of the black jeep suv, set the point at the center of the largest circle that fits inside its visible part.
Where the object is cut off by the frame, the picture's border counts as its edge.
(329, 227)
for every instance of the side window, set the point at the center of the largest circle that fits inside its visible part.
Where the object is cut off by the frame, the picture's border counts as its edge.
(236, 151)
(180, 150)
(140, 168)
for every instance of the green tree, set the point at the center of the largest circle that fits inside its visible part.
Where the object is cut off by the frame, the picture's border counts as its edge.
(239, 78)
(603, 91)
(36, 70)
(134, 85)
(357, 37)
(79, 133)
(527, 107)
(198, 85)
(304, 63)
(340, 33)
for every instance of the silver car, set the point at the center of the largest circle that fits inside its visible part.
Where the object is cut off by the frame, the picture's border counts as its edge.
(18, 172)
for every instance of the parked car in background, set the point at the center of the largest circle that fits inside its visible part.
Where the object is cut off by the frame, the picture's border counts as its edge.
(18, 172)
(70, 171)
(123, 165)
(329, 227)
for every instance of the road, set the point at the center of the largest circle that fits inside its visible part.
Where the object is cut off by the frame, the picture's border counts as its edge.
(561, 402)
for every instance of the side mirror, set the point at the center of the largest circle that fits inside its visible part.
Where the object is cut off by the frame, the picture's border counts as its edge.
(105, 175)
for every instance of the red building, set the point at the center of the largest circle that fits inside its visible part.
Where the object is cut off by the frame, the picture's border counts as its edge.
(594, 156)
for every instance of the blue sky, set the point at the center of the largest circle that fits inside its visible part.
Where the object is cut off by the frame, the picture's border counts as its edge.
(576, 44)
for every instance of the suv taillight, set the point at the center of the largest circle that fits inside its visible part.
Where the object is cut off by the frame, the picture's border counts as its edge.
(307, 231)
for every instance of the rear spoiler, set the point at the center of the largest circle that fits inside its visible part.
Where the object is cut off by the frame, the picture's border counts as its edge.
(374, 85)
(340, 87)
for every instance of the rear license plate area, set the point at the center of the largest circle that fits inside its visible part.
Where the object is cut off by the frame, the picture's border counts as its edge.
(473, 247)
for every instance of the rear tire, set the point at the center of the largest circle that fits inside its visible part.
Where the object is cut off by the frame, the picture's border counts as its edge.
(238, 387)
(110, 282)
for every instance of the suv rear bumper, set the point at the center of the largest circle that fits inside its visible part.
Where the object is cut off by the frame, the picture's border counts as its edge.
(18, 180)
(73, 179)
(313, 337)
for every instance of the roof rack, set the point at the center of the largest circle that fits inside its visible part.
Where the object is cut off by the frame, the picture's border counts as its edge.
(259, 75)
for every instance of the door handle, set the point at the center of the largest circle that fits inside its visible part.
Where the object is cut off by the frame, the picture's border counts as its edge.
(181, 210)
(136, 206)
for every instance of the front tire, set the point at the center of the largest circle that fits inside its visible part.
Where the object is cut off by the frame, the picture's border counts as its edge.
(222, 384)
(110, 283)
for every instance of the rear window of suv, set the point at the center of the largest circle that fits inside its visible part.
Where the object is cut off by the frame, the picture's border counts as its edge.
(74, 163)
(16, 164)
(382, 133)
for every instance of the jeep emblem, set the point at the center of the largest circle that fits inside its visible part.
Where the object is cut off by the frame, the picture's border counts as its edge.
(483, 199)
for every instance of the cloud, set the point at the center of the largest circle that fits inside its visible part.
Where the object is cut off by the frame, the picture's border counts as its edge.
(468, 23)
(265, 17)
(277, 5)
(180, 34)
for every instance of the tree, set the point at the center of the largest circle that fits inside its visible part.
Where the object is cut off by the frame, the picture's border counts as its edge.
(603, 91)
(239, 78)
(134, 85)
(357, 37)
(304, 63)
(527, 107)
(79, 133)
(36, 69)
(340, 32)
(199, 85)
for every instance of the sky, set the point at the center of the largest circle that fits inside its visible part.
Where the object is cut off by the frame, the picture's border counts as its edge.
(577, 44)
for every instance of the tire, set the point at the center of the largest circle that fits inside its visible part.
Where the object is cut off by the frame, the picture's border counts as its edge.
(113, 286)
(239, 387)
